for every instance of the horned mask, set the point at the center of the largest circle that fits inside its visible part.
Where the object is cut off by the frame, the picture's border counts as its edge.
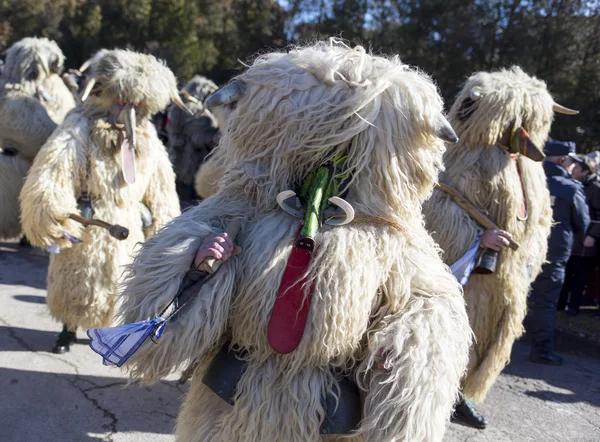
(126, 88)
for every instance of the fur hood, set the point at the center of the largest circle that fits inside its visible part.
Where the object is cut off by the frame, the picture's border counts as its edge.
(32, 59)
(123, 76)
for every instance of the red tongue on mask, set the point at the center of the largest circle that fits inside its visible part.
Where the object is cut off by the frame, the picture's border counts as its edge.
(127, 160)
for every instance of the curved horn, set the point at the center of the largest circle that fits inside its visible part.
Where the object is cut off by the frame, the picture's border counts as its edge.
(177, 100)
(43, 64)
(86, 64)
(188, 96)
(445, 131)
(346, 207)
(563, 110)
(88, 88)
(281, 200)
(227, 94)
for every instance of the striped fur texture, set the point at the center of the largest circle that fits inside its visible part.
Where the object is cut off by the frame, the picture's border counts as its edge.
(385, 309)
(489, 179)
(83, 156)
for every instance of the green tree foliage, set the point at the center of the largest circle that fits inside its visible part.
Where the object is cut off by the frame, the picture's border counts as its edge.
(556, 40)
(192, 36)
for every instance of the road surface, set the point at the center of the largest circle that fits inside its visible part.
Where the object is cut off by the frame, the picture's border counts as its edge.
(74, 398)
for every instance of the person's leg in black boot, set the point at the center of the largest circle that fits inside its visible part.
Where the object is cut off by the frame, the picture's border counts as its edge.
(542, 313)
(567, 285)
(582, 265)
(466, 413)
(65, 338)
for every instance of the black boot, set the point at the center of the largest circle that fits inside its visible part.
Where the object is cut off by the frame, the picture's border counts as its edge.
(64, 341)
(467, 414)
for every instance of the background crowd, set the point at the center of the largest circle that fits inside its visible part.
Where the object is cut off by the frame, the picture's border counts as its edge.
(582, 278)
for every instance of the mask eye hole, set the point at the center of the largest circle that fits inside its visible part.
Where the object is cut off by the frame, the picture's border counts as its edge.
(54, 64)
(35, 72)
(467, 108)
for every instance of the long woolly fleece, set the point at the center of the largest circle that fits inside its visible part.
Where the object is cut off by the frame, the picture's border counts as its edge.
(385, 309)
(486, 175)
(27, 119)
(84, 156)
(79, 158)
(213, 167)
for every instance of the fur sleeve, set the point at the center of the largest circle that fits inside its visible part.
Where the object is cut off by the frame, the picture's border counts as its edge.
(52, 187)
(205, 182)
(451, 227)
(152, 281)
(416, 357)
(25, 122)
(161, 197)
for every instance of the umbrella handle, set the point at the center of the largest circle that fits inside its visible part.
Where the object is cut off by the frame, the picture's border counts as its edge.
(232, 230)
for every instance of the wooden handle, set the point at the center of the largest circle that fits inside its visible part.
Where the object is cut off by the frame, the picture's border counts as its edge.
(473, 211)
(232, 230)
(90, 222)
(116, 231)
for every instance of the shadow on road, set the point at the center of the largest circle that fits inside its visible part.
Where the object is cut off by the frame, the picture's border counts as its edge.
(31, 298)
(44, 406)
(23, 266)
(577, 377)
(28, 339)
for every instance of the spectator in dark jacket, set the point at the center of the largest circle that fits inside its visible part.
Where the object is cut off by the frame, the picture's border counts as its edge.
(585, 244)
(571, 215)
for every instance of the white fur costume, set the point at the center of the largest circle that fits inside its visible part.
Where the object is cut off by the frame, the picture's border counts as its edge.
(84, 156)
(384, 308)
(488, 105)
(33, 100)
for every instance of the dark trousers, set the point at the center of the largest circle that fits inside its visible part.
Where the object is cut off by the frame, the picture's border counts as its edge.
(543, 298)
(576, 279)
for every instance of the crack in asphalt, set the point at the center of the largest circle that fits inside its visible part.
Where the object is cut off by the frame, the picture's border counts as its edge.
(101, 387)
(107, 413)
(163, 413)
(85, 391)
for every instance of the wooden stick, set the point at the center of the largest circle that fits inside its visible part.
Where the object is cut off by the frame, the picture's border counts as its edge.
(473, 212)
(232, 230)
(115, 230)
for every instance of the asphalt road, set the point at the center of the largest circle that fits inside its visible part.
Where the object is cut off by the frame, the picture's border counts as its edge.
(73, 397)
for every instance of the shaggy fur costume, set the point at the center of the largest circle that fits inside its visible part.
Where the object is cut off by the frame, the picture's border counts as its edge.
(385, 309)
(212, 169)
(209, 174)
(83, 156)
(191, 137)
(487, 176)
(33, 100)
